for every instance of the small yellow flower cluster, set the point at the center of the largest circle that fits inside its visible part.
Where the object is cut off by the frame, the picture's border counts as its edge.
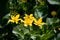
(27, 20)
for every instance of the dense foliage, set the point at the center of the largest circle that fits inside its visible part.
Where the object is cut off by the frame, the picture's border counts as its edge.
(29, 20)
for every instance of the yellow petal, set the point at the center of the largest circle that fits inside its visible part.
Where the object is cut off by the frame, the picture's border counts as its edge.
(12, 17)
(40, 20)
(22, 20)
(34, 19)
(43, 23)
(31, 15)
(11, 21)
(18, 15)
(26, 15)
(16, 22)
(25, 25)
(40, 26)
(30, 24)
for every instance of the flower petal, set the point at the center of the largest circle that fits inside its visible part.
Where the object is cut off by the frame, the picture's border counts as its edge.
(43, 23)
(31, 15)
(11, 21)
(26, 15)
(40, 20)
(25, 25)
(16, 22)
(30, 24)
(18, 15)
(12, 17)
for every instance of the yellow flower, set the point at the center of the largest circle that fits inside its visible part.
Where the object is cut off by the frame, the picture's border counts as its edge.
(53, 13)
(14, 19)
(28, 20)
(39, 22)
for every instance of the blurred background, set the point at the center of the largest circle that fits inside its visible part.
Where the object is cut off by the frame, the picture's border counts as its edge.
(49, 10)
